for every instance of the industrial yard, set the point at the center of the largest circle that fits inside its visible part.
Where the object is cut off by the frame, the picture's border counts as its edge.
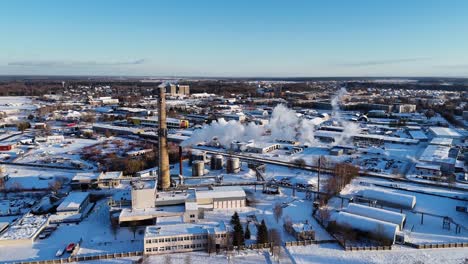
(110, 181)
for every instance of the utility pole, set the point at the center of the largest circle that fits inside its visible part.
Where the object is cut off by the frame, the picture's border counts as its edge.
(318, 175)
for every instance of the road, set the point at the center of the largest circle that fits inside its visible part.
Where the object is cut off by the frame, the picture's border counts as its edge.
(323, 170)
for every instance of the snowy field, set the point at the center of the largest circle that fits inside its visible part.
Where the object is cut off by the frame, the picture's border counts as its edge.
(29, 177)
(16, 103)
(251, 257)
(333, 253)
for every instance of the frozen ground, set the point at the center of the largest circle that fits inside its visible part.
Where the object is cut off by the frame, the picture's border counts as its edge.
(250, 257)
(29, 177)
(16, 103)
(63, 154)
(332, 253)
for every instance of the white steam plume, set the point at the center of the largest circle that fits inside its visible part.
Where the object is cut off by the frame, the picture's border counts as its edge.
(350, 128)
(284, 124)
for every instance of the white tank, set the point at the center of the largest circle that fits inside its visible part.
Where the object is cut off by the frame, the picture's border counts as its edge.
(198, 168)
(216, 162)
(233, 165)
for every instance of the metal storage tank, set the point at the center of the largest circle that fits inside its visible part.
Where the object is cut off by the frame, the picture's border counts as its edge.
(197, 155)
(216, 162)
(198, 168)
(233, 165)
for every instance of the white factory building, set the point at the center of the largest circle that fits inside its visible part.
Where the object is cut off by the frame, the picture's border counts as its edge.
(149, 206)
(171, 238)
(445, 132)
(73, 208)
(440, 155)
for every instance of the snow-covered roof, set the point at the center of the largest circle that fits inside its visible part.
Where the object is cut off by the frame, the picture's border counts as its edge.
(428, 166)
(376, 213)
(437, 153)
(444, 132)
(184, 229)
(222, 192)
(73, 201)
(404, 200)
(335, 134)
(442, 141)
(366, 224)
(86, 176)
(110, 175)
(417, 134)
(24, 228)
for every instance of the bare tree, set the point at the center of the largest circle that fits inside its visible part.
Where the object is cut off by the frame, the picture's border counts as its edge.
(324, 214)
(3, 186)
(278, 211)
(211, 244)
(276, 242)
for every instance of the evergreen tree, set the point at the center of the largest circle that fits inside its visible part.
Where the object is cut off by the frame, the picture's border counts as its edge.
(238, 234)
(235, 219)
(262, 233)
(247, 232)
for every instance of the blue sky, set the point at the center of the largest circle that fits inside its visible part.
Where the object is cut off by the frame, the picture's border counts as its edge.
(235, 38)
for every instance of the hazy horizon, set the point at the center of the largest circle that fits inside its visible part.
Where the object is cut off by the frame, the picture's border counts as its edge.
(235, 39)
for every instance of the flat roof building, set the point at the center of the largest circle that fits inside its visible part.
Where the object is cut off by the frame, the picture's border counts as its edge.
(445, 132)
(171, 238)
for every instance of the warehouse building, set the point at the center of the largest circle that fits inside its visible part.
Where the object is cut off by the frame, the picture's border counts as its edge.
(377, 213)
(263, 148)
(226, 197)
(445, 132)
(371, 226)
(391, 199)
(24, 230)
(443, 156)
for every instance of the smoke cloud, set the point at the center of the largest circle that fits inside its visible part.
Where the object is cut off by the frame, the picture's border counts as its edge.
(284, 124)
(349, 128)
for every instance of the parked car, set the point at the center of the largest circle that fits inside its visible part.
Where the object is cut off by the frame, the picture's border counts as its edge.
(59, 252)
(45, 234)
(70, 247)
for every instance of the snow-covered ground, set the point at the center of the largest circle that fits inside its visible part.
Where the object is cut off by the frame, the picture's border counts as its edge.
(249, 257)
(333, 253)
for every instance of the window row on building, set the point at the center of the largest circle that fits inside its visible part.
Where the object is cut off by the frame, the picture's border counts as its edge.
(173, 248)
(184, 238)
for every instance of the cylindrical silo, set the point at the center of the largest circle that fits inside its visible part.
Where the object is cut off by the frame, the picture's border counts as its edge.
(216, 162)
(198, 168)
(233, 165)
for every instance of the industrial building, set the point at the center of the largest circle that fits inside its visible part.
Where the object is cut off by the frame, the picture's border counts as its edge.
(149, 205)
(24, 230)
(377, 213)
(262, 148)
(387, 198)
(72, 209)
(371, 226)
(445, 132)
(443, 156)
(171, 238)
(228, 197)
(154, 120)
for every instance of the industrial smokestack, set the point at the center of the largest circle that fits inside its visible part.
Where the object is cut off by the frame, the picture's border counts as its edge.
(164, 180)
